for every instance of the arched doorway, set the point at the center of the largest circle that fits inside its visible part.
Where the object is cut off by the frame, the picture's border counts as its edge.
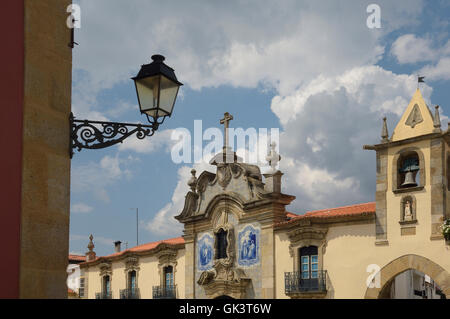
(411, 284)
(224, 297)
(409, 262)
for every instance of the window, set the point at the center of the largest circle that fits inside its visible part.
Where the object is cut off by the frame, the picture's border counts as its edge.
(168, 277)
(106, 285)
(309, 262)
(132, 279)
(221, 244)
(81, 289)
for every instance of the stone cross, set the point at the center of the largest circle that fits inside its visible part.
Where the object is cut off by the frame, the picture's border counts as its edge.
(226, 120)
(273, 157)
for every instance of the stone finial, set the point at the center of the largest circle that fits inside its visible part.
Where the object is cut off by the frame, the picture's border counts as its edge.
(384, 132)
(192, 183)
(91, 246)
(273, 157)
(437, 120)
(90, 255)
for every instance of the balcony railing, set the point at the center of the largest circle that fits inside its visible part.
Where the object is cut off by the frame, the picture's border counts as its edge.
(294, 283)
(164, 292)
(131, 293)
(103, 295)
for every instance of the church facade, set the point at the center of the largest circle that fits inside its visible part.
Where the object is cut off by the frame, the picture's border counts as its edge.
(239, 240)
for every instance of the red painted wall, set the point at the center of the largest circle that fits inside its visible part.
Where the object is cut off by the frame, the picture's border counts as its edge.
(11, 116)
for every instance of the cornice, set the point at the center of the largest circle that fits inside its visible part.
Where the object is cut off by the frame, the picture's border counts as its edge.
(381, 146)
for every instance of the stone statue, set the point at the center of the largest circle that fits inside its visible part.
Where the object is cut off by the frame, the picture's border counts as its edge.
(192, 183)
(273, 157)
(408, 211)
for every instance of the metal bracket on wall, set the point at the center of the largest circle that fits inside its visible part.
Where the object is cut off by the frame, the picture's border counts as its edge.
(99, 134)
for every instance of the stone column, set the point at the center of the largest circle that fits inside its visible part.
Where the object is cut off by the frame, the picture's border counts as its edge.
(189, 246)
(380, 198)
(437, 160)
(267, 262)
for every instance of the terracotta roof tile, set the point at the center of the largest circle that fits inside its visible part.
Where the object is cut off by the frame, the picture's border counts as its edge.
(291, 215)
(343, 211)
(357, 209)
(77, 257)
(145, 247)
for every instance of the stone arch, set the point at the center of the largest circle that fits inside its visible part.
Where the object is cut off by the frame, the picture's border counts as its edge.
(395, 163)
(232, 201)
(406, 262)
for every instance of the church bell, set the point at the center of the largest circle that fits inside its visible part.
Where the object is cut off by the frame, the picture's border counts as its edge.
(409, 180)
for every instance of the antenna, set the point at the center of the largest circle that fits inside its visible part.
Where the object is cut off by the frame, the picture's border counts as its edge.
(137, 225)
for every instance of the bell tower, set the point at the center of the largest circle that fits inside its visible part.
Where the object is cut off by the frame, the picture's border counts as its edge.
(412, 169)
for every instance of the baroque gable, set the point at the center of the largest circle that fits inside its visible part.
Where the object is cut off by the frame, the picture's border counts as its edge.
(241, 181)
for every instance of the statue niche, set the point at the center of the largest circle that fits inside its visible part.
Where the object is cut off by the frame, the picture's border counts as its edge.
(408, 210)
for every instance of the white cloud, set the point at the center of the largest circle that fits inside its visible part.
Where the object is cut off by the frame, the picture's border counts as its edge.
(329, 121)
(438, 71)
(409, 48)
(317, 55)
(240, 43)
(96, 177)
(81, 208)
(160, 140)
(371, 86)
(164, 223)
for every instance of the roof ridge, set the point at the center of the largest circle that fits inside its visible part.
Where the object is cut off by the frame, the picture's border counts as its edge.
(340, 207)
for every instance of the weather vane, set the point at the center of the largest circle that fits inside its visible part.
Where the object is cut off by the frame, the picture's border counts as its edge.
(420, 79)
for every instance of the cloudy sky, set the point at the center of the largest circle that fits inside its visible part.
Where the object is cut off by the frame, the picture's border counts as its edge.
(312, 69)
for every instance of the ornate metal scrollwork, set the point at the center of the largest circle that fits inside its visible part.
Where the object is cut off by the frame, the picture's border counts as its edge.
(99, 134)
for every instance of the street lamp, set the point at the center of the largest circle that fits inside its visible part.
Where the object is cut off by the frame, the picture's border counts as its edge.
(156, 88)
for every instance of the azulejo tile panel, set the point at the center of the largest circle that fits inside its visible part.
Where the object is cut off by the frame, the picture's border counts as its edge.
(248, 243)
(205, 252)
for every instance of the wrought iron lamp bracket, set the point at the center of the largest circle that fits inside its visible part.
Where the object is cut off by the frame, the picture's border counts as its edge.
(99, 134)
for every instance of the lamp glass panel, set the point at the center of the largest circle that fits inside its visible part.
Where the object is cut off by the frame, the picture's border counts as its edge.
(147, 89)
(169, 91)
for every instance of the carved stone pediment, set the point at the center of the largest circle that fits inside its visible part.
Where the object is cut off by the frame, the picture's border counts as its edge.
(190, 206)
(105, 268)
(307, 232)
(131, 263)
(224, 279)
(306, 236)
(167, 255)
(223, 175)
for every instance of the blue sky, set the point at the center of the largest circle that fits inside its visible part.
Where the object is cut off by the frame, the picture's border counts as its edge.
(313, 70)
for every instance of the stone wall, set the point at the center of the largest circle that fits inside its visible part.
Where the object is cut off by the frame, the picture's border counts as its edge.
(46, 163)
